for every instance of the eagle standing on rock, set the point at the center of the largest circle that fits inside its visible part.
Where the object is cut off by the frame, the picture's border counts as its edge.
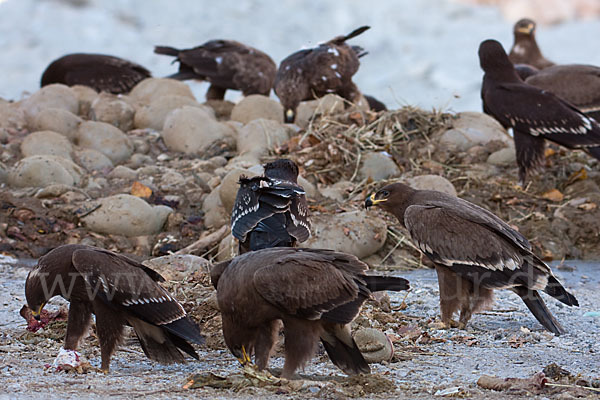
(532, 113)
(312, 73)
(100, 72)
(226, 64)
(119, 291)
(525, 49)
(270, 210)
(474, 252)
(316, 293)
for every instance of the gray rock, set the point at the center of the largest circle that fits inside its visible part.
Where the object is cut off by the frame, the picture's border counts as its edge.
(177, 267)
(338, 191)
(432, 182)
(505, 156)
(46, 143)
(257, 106)
(257, 137)
(121, 172)
(3, 174)
(105, 138)
(51, 96)
(12, 116)
(153, 88)
(57, 120)
(92, 160)
(126, 215)
(137, 160)
(44, 170)
(85, 96)
(326, 105)
(374, 345)
(378, 166)
(215, 215)
(473, 128)
(191, 130)
(114, 110)
(354, 232)
(228, 248)
(310, 190)
(171, 178)
(154, 114)
(229, 187)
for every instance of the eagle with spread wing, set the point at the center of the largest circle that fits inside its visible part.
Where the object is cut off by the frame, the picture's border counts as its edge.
(226, 64)
(101, 72)
(474, 252)
(119, 291)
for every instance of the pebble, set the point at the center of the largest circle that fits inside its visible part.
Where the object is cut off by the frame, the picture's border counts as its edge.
(378, 166)
(432, 182)
(474, 128)
(46, 143)
(106, 139)
(154, 88)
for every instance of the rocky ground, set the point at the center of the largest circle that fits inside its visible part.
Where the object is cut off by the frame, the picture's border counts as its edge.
(155, 172)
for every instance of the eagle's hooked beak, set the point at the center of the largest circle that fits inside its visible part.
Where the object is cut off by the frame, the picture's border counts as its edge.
(526, 29)
(290, 115)
(371, 201)
(36, 313)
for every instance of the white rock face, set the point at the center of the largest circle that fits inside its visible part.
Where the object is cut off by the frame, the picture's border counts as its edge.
(177, 267)
(473, 128)
(127, 215)
(257, 106)
(326, 105)
(106, 139)
(191, 130)
(432, 182)
(354, 232)
(51, 96)
(229, 187)
(153, 88)
(57, 120)
(114, 110)
(257, 137)
(92, 160)
(378, 166)
(154, 114)
(46, 143)
(41, 171)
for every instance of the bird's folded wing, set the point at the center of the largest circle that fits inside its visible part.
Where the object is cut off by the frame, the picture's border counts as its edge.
(300, 222)
(112, 75)
(579, 84)
(306, 283)
(541, 113)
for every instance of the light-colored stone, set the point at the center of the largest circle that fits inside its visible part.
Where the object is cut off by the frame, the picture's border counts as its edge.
(311, 190)
(257, 137)
(354, 232)
(57, 120)
(3, 173)
(51, 96)
(192, 130)
(374, 345)
(106, 139)
(114, 110)
(153, 88)
(154, 114)
(86, 96)
(215, 215)
(44, 170)
(338, 191)
(228, 248)
(92, 160)
(127, 215)
(122, 172)
(505, 156)
(229, 187)
(432, 182)
(12, 116)
(378, 166)
(474, 128)
(46, 143)
(257, 106)
(326, 105)
(177, 267)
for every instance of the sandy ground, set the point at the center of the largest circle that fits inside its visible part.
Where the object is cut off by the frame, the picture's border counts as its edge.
(505, 341)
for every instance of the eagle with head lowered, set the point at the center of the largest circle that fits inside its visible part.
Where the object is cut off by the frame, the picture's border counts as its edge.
(119, 291)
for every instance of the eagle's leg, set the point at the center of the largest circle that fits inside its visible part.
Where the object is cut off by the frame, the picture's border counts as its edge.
(265, 341)
(450, 300)
(109, 328)
(301, 339)
(480, 298)
(215, 93)
(80, 317)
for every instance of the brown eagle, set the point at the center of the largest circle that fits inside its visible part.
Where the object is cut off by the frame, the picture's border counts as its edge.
(119, 291)
(533, 114)
(525, 49)
(226, 64)
(100, 72)
(474, 252)
(315, 293)
(270, 210)
(312, 73)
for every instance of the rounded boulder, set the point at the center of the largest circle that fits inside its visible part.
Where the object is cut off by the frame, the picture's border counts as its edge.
(191, 130)
(106, 139)
(46, 143)
(58, 120)
(153, 88)
(257, 106)
(45, 170)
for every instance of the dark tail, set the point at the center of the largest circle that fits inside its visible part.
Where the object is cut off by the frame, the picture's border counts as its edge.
(186, 329)
(556, 290)
(538, 308)
(376, 283)
(183, 345)
(347, 358)
(594, 152)
(356, 32)
(183, 76)
(166, 50)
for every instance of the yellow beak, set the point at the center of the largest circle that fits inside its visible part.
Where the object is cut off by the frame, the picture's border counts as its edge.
(527, 29)
(371, 201)
(36, 313)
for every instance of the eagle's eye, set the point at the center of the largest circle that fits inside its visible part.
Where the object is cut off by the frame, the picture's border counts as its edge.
(383, 194)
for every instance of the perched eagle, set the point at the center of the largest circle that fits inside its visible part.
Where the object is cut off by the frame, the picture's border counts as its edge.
(578, 84)
(310, 73)
(226, 64)
(474, 252)
(119, 291)
(315, 293)
(525, 49)
(271, 210)
(100, 72)
(533, 114)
